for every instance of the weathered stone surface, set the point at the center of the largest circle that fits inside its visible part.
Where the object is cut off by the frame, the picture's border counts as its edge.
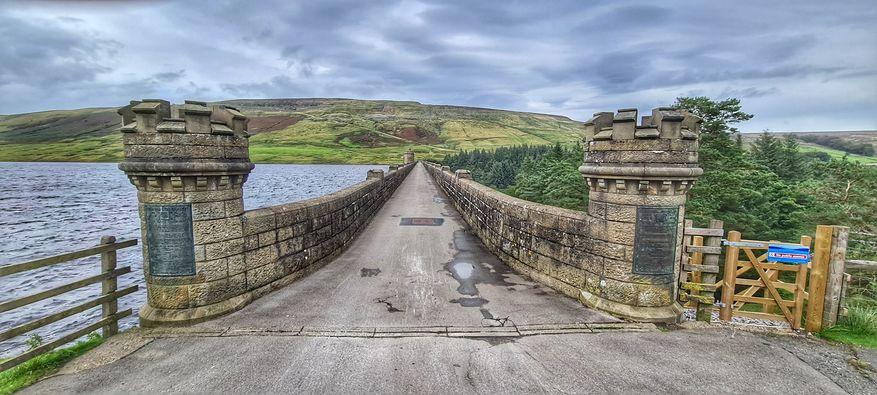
(212, 196)
(208, 210)
(214, 230)
(224, 248)
(208, 293)
(655, 296)
(234, 207)
(620, 292)
(261, 256)
(236, 264)
(160, 197)
(212, 270)
(167, 297)
(258, 221)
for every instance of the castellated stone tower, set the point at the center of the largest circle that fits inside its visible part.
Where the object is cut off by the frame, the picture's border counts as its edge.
(638, 177)
(189, 165)
(408, 157)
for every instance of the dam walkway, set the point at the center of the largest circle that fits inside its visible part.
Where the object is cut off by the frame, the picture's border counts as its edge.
(417, 304)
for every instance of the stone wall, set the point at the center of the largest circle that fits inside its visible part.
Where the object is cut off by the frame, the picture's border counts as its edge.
(193, 161)
(632, 171)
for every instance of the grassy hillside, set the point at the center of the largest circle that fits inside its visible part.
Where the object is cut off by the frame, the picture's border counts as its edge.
(852, 138)
(301, 131)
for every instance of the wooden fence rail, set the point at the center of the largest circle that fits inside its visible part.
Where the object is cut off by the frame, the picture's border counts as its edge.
(110, 316)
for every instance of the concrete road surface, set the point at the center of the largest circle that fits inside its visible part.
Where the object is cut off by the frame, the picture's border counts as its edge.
(419, 308)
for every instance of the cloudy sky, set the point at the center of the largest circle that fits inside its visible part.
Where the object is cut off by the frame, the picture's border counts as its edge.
(797, 65)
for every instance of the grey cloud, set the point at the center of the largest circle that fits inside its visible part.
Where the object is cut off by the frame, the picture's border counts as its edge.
(748, 93)
(279, 86)
(262, 34)
(169, 76)
(566, 56)
(43, 53)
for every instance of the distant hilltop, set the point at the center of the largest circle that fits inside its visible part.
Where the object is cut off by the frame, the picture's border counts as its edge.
(315, 130)
(337, 130)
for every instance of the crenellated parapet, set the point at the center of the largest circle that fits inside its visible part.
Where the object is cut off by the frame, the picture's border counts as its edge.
(656, 157)
(201, 143)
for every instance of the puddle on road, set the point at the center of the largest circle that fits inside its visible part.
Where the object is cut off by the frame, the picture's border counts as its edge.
(471, 266)
(366, 272)
(463, 270)
(470, 302)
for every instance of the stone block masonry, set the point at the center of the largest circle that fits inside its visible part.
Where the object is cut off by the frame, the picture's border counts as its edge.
(622, 255)
(204, 255)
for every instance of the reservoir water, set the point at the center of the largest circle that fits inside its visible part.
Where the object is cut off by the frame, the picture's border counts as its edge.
(52, 208)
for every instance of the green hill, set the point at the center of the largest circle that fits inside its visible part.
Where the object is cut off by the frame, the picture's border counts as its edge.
(837, 144)
(301, 131)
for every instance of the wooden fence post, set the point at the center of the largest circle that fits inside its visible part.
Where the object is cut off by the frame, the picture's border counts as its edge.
(834, 280)
(819, 263)
(109, 285)
(732, 253)
(704, 310)
(697, 258)
(800, 285)
(686, 240)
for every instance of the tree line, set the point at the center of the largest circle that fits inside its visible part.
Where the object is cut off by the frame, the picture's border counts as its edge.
(852, 147)
(767, 191)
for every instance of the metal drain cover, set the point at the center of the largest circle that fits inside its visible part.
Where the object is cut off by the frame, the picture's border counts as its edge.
(421, 221)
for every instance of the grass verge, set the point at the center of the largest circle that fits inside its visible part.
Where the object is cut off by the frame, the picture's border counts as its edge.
(41, 366)
(859, 327)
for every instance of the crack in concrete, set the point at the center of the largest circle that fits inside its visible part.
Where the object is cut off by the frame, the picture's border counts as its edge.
(390, 307)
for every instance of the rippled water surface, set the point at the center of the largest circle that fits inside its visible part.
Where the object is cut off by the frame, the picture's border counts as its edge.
(51, 208)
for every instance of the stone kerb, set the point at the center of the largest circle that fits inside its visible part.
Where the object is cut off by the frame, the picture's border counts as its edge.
(203, 254)
(638, 177)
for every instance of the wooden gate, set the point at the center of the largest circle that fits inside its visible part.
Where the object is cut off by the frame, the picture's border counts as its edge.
(779, 288)
(753, 287)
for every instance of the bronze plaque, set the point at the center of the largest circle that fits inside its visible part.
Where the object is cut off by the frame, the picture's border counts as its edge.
(169, 239)
(654, 245)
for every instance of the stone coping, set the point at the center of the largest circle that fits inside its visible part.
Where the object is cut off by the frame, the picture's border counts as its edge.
(640, 171)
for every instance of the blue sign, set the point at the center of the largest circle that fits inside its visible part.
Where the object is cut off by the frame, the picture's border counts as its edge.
(788, 253)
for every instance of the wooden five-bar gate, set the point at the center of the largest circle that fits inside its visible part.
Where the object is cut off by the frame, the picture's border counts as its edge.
(807, 293)
(108, 300)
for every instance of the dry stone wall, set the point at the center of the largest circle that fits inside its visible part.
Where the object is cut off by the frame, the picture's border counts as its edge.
(203, 254)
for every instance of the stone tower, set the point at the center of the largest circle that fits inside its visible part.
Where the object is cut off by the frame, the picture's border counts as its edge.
(189, 165)
(409, 156)
(638, 177)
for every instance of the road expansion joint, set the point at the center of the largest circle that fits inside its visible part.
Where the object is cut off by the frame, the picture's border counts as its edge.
(406, 331)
